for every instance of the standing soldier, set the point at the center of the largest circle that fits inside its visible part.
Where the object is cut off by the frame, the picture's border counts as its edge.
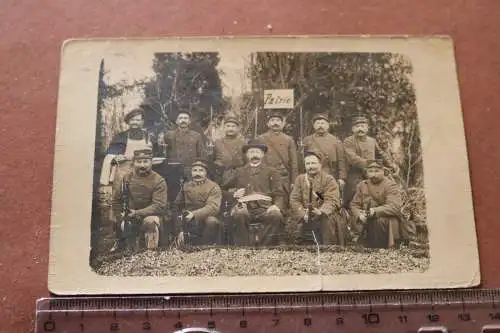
(228, 153)
(325, 202)
(201, 199)
(359, 148)
(330, 147)
(144, 193)
(183, 145)
(258, 190)
(377, 207)
(121, 149)
(282, 154)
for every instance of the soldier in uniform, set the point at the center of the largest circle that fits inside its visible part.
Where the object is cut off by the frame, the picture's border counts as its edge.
(202, 200)
(330, 147)
(325, 202)
(377, 207)
(256, 178)
(228, 153)
(183, 145)
(122, 146)
(282, 154)
(359, 148)
(146, 194)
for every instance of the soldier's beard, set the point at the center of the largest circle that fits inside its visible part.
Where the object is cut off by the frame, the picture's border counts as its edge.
(360, 133)
(312, 171)
(376, 179)
(143, 171)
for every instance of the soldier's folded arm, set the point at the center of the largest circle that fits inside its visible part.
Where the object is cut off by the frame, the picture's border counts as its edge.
(211, 207)
(331, 195)
(296, 205)
(393, 202)
(350, 153)
(158, 202)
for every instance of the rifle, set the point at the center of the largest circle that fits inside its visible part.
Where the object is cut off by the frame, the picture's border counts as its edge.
(127, 225)
(310, 203)
(181, 215)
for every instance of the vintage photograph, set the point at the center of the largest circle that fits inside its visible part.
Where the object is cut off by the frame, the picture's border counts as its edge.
(230, 161)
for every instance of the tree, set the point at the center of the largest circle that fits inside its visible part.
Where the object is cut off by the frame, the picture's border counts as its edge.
(377, 85)
(184, 81)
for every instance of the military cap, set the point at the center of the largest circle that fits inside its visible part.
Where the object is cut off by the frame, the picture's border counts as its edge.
(313, 153)
(143, 153)
(231, 119)
(276, 114)
(184, 111)
(255, 143)
(359, 120)
(374, 164)
(319, 116)
(200, 162)
(133, 113)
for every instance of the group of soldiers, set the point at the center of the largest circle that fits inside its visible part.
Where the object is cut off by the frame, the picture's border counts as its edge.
(253, 188)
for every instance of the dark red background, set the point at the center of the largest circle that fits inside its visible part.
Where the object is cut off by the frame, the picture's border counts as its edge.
(31, 33)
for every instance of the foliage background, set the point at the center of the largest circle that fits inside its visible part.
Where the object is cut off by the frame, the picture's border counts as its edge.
(377, 85)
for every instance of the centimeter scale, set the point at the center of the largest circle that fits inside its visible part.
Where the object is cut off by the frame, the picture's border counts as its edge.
(403, 311)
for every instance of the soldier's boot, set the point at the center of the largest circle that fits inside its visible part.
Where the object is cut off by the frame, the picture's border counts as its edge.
(211, 231)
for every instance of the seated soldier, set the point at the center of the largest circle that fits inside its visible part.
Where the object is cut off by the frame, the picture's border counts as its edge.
(199, 201)
(377, 207)
(260, 197)
(325, 202)
(139, 203)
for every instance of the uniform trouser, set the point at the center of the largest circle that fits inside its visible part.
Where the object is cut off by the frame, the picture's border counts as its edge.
(328, 229)
(149, 227)
(208, 231)
(382, 232)
(243, 218)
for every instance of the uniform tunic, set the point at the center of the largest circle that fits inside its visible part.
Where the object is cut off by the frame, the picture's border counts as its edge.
(326, 198)
(282, 156)
(203, 199)
(184, 147)
(147, 194)
(357, 153)
(228, 155)
(383, 230)
(261, 179)
(333, 152)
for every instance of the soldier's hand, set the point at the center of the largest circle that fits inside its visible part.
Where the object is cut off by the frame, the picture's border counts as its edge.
(317, 212)
(273, 208)
(120, 158)
(362, 217)
(371, 212)
(341, 183)
(306, 216)
(189, 216)
(239, 193)
(132, 213)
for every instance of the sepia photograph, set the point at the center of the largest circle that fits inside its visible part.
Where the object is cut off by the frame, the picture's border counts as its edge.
(260, 164)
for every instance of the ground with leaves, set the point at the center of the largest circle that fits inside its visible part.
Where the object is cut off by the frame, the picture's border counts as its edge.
(266, 262)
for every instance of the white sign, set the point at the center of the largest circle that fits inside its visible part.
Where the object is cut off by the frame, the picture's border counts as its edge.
(278, 99)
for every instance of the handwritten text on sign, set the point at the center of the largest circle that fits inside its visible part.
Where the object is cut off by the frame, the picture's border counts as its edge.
(278, 99)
